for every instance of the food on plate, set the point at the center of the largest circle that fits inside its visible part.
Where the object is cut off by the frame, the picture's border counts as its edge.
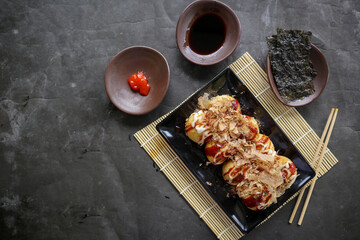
(139, 83)
(249, 127)
(255, 194)
(233, 173)
(195, 128)
(288, 171)
(215, 152)
(263, 144)
(216, 117)
(293, 71)
(249, 159)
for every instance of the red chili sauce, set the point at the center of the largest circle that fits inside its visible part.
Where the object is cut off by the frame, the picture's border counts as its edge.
(139, 83)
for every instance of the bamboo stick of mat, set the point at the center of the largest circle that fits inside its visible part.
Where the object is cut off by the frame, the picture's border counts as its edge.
(314, 159)
(317, 169)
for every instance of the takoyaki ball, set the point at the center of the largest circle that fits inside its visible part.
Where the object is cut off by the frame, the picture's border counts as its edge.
(215, 152)
(255, 195)
(263, 143)
(249, 128)
(288, 171)
(233, 174)
(234, 103)
(195, 129)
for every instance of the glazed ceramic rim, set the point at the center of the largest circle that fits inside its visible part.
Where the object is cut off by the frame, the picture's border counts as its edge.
(163, 93)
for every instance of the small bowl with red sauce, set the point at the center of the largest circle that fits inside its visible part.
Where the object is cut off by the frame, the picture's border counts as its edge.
(207, 32)
(137, 79)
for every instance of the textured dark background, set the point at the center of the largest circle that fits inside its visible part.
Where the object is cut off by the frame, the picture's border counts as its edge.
(69, 166)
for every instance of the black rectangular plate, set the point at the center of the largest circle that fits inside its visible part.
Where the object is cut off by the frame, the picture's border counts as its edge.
(172, 128)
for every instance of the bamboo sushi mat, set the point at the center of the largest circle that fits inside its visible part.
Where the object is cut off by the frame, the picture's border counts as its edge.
(288, 119)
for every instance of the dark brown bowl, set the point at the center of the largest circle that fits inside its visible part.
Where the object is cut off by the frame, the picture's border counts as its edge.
(191, 14)
(132, 60)
(321, 67)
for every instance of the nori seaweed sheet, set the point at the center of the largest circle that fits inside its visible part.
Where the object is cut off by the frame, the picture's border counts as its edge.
(289, 53)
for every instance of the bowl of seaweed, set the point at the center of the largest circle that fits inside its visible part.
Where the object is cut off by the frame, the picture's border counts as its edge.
(296, 69)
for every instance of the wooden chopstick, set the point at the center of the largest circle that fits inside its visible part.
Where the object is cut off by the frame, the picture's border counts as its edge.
(314, 159)
(317, 167)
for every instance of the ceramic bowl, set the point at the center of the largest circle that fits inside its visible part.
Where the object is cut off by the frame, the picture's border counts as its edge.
(132, 60)
(321, 67)
(198, 9)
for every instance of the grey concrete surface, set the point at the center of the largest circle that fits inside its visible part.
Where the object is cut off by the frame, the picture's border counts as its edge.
(69, 165)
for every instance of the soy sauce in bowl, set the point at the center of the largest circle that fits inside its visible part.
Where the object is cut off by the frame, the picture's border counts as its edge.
(207, 34)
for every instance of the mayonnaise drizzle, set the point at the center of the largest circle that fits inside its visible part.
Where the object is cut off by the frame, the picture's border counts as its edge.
(200, 129)
(197, 117)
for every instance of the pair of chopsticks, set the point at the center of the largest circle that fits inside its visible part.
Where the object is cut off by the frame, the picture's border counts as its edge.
(323, 146)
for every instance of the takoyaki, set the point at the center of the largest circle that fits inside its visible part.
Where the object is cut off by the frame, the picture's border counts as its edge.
(288, 171)
(255, 195)
(196, 128)
(234, 174)
(250, 160)
(249, 128)
(263, 144)
(215, 152)
(233, 102)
